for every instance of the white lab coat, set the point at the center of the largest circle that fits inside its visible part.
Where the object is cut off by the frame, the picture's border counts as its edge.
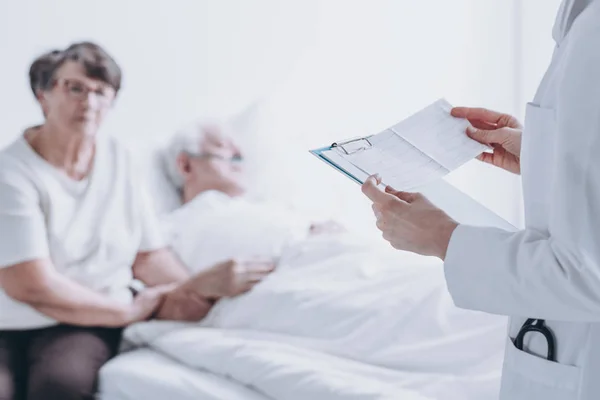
(551, 269)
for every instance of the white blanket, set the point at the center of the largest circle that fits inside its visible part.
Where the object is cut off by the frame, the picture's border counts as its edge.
(340, 321)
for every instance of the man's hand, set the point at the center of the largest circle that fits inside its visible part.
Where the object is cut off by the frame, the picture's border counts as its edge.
(193, 299)
(230, 278)
(500, 131)
(184, 304)
(409, 221)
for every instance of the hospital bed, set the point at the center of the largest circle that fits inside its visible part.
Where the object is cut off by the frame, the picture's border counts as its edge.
(202, 363)
(147, 374)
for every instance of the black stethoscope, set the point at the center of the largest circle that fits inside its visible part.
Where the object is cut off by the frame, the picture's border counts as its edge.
(537, 325)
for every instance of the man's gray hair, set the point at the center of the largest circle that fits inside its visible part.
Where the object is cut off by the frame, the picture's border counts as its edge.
(185, 140)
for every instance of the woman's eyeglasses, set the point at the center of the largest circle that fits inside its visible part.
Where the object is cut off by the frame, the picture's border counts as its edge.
(78, 90)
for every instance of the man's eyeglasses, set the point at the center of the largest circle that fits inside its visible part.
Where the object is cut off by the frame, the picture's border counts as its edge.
(235, 159)
(78, 90)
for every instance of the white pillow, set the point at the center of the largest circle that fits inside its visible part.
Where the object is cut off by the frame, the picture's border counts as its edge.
(214, 227)
(148, 160)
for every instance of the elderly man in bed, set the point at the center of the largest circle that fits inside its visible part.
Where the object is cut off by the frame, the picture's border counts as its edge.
(206, 167)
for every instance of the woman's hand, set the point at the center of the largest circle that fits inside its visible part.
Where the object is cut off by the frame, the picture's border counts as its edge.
(500, 131)
(409, 221)
(147, 303)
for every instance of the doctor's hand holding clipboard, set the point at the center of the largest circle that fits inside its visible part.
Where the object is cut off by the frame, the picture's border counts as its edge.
(409, 221)
(546, 277)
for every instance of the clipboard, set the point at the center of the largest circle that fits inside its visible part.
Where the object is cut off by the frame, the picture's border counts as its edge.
(452, 200)
(426, 146)
(347, 147)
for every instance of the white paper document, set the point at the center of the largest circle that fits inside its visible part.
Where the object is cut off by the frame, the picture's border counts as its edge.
(414, 152)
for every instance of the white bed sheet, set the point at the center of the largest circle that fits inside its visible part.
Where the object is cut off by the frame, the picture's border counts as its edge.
(149, 375)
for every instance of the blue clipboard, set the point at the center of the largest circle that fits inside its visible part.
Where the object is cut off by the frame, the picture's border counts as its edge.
(347, 147)
(319, 154)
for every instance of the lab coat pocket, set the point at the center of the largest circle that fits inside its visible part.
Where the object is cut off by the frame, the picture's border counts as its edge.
(527, 376)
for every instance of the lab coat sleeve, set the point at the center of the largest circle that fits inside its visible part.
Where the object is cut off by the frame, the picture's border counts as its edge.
(554, 275)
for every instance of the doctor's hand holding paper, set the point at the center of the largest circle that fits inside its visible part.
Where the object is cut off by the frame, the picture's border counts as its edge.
(500, 131)
(409, 221)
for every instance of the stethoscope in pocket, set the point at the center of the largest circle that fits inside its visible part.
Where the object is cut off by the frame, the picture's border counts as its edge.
(539, 326)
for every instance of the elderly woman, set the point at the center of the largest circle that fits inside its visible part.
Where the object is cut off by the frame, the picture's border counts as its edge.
(76, 230)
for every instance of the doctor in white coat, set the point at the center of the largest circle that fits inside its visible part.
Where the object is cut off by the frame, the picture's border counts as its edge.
(550, 271)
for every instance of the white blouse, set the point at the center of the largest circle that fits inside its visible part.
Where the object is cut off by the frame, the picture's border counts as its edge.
(92, 230)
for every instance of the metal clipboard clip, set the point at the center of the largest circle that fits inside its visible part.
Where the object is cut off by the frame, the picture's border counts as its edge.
(353, 145)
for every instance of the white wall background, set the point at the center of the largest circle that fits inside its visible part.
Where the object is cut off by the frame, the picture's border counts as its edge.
(180, 58)
(325, 69)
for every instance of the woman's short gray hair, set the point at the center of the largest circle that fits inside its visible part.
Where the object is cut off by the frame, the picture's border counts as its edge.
(185, 140)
